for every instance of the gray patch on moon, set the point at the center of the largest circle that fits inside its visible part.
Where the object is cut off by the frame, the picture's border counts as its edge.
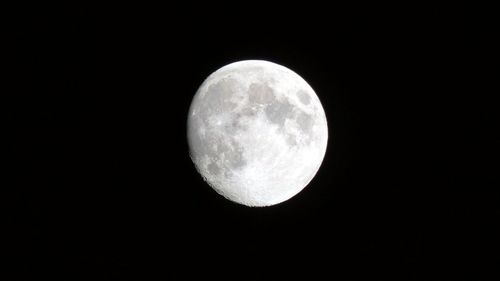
(303, 97)
(260, 94)
(305, 122)
(291, 140)
(230, 152)
(234, 125)
(234, 155)
(209, 148)
(278, 111)
(219, 95)
(248, 112)
(213, 168)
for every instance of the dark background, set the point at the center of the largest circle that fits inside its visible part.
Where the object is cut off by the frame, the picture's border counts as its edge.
(99, 184)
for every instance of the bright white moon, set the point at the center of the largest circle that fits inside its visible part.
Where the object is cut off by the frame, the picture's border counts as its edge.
(257, 132)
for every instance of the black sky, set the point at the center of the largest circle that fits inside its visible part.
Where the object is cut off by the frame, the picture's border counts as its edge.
(99, 184)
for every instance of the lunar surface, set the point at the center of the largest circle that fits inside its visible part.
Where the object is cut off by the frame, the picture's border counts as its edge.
(257, 132)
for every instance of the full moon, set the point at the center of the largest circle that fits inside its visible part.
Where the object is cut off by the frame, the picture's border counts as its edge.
(257, 132)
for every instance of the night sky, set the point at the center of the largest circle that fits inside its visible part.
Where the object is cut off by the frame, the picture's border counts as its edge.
(99, 184)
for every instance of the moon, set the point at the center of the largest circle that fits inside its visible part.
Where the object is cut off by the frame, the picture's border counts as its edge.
(257, 132)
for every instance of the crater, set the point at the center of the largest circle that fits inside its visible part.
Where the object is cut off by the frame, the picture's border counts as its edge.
(235, 159)
(304, 97)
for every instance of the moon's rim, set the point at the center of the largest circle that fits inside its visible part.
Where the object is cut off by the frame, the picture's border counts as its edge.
(264, 63)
